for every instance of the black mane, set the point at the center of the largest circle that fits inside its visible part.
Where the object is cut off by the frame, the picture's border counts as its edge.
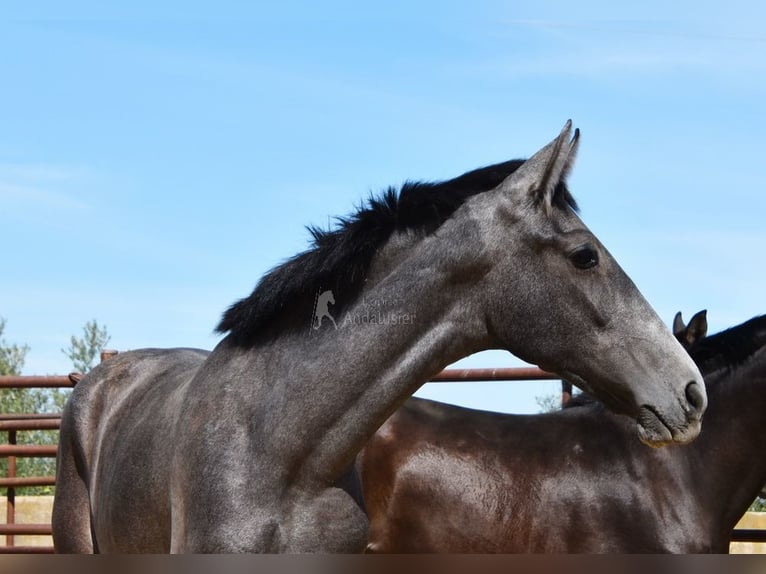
(339, 258)
(729, 348)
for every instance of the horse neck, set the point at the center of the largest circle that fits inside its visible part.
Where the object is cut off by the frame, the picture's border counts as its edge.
(338, 385)
(727, 455)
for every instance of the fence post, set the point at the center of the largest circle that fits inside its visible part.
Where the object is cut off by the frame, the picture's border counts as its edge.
(10, 495)
(566, 393)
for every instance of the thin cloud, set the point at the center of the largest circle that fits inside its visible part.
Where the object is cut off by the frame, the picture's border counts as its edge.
(607, 48)
(41, 186)
(637, 27)
(13, 195)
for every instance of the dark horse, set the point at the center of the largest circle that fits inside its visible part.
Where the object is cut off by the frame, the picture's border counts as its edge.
(249, 448)
(440, 478)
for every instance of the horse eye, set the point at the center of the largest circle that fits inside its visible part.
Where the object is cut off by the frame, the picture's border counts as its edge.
(584, 257)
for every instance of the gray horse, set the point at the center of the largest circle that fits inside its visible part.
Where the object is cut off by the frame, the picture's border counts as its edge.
(250, 448)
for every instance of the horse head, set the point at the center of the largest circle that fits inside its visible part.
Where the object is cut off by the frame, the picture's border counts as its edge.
(557, 298)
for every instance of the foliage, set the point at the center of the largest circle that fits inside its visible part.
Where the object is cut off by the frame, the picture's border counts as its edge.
(549, 403)
(82, 353)
(24, 401)
(759, 505)
(11, 356)
(553, 402)
(84, 350)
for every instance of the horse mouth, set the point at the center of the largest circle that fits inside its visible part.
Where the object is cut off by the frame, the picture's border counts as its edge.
(652, 430)
(655, 432)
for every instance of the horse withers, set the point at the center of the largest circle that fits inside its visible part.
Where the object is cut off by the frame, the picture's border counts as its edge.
(248, 449)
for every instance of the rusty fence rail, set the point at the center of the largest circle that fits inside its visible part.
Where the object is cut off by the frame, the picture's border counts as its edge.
(14, 423)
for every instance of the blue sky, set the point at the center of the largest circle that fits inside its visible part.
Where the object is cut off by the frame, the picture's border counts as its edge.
(155, 161)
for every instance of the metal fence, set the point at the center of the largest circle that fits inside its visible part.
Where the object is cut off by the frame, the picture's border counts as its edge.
(15, 423)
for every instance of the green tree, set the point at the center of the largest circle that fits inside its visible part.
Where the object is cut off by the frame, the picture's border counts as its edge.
(11, 362)
(84, 350)
(548, 403)
(11, 356)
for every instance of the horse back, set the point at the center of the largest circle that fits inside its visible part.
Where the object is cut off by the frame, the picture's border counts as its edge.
(419, 465)
(116, 439)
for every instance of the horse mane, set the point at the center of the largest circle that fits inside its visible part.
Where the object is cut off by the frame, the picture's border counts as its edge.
(721, 352)
(731, 347)
(339, 259)
(748, 374)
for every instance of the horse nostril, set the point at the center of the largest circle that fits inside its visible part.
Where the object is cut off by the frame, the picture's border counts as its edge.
(696, 397)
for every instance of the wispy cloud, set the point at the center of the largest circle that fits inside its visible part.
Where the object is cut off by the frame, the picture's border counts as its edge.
(654, 28)
(42, 186)
(597, 48)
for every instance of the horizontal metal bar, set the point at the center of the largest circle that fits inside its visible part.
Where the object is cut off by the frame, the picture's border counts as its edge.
(22, 481)
(509, 374)
(29, 416)
(27, 381)
(27, 450)
(29, 424)
(26, 529)
(748, 535)
(26, 550)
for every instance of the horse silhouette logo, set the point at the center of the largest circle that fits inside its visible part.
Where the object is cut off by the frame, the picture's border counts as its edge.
(321, 309)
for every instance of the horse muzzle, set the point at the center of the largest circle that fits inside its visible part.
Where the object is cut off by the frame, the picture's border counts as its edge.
(657, 430)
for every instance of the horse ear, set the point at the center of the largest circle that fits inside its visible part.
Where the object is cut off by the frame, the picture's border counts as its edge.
(678, 325)
(539, 175)
(574, 147)
(690, 334)
(697, 328)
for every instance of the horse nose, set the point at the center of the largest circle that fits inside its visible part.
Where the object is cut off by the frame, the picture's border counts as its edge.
(697, 399)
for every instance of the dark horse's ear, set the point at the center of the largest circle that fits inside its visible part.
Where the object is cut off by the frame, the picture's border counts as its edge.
(690, 334)
(538, 177)
(678, 326)
(697, 327)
